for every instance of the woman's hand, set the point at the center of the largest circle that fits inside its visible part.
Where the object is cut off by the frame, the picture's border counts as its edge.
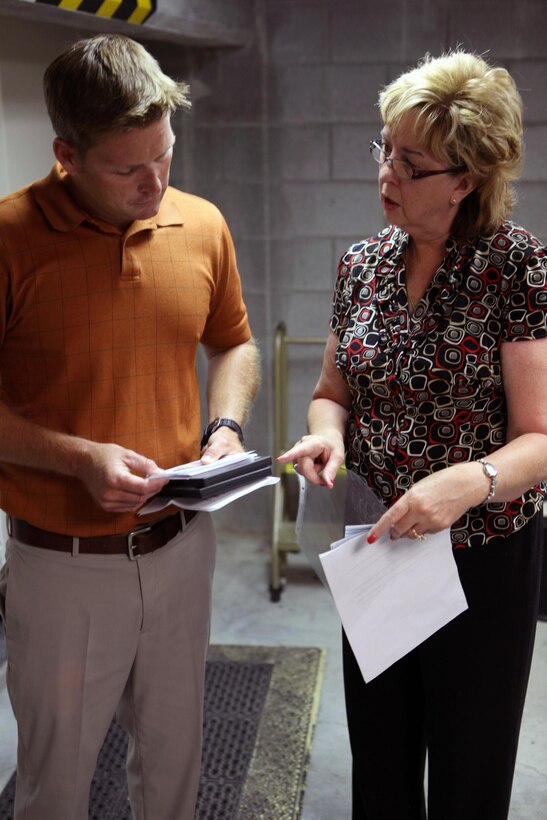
(319, 455)
(434, 503)
(317, 458)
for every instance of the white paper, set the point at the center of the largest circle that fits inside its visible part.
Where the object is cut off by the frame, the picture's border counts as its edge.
(206, 504)
(392, 595)
(195, 468)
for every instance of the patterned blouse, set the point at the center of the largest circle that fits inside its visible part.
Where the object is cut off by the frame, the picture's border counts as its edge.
(427, 389)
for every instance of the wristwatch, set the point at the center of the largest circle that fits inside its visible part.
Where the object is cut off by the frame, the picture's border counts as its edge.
(213, 426)
(490, 472)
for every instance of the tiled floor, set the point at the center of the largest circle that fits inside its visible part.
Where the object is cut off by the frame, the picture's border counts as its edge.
(243, 614)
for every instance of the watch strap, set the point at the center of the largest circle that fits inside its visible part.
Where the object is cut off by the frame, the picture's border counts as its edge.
(214, 425)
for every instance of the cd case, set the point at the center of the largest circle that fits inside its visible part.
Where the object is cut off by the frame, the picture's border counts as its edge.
(218, 482)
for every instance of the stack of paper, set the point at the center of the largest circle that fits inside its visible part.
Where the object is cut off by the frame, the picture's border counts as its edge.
(197, 486)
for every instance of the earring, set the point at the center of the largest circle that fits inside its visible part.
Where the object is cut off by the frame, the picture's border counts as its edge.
(453, 201)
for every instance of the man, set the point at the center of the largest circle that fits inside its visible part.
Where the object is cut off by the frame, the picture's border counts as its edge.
(109, 279)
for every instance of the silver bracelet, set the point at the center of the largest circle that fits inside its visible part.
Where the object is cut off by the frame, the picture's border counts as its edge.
(490, 472)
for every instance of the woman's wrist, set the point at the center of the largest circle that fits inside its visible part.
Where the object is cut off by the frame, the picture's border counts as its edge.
(491, 475)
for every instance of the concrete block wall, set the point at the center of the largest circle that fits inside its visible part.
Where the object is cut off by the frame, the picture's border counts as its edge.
(279, 140)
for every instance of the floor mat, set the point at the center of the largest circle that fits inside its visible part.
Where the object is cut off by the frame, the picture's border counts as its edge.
(260, 710)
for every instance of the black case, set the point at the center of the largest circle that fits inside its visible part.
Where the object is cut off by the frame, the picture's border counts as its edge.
(209, 486)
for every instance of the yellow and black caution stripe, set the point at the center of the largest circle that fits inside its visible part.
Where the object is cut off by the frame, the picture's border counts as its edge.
(132, 11)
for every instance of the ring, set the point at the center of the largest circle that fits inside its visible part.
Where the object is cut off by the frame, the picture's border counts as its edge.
(417, 535)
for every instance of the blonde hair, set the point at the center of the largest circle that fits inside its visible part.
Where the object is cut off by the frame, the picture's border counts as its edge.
(468, 114)
(107, 83)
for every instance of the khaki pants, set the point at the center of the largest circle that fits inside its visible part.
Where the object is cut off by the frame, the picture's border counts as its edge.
(91, 636)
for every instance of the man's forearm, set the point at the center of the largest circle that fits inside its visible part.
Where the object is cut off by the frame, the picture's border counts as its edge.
(115, 477)
(31, 445)
(233, 378)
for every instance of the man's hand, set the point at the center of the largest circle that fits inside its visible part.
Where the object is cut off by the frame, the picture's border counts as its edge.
(118, 478)
(223, 442)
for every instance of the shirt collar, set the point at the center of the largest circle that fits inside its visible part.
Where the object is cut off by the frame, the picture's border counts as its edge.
(64, 214)
(394, 242)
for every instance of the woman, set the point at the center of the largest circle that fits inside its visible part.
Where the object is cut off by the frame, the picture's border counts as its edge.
(425, 392)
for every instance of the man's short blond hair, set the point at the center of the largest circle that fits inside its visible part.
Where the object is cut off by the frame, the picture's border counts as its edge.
(107, 83)
(468, 114)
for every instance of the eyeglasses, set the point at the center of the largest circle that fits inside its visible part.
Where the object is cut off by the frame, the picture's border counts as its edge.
(404, 170)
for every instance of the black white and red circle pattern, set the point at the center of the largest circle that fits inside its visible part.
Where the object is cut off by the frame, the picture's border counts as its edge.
(427, 389)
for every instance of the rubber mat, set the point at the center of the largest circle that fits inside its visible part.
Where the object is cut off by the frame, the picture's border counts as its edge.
(235, 693)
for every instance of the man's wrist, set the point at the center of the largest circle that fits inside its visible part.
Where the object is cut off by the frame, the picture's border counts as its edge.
(216, 424)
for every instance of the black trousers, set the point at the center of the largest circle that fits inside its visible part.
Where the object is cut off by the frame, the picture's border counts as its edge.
(459, 696)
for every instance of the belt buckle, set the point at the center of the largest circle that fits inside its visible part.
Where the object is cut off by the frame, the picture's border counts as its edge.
(146, 528)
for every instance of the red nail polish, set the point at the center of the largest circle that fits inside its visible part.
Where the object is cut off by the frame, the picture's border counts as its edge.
(371, 538)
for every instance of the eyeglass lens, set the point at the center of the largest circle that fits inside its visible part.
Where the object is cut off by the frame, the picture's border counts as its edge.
(401, 168)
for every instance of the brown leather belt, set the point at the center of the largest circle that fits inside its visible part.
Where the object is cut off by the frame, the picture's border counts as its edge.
(139, 541)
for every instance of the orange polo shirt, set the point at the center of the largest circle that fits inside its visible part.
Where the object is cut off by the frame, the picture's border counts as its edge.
(99, 330)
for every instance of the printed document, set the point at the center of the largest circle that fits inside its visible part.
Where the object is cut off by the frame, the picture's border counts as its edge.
(392, 595)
